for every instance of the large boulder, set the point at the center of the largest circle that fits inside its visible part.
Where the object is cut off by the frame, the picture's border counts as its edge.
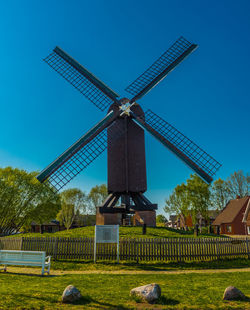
(232, 293)
(150, 292)
(71, 294)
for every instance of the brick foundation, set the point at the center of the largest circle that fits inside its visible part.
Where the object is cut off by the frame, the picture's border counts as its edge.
(108, 218)
(144, 217)
(140, 218)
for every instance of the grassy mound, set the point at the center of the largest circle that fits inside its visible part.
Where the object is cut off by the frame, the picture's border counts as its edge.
(129, 232)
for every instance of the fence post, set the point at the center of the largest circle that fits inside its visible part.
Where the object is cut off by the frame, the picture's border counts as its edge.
(21, 244)
(137, 258)
(55, 248)
(247, 248)
(216, 248)
(179, 249)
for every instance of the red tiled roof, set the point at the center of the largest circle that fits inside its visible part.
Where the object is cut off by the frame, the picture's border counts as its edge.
(232, 209)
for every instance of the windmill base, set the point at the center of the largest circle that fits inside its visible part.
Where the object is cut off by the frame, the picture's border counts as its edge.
(135, 210)
(137, 219)
(145, 217)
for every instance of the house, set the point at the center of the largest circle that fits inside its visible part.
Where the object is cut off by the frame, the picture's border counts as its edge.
(230, 220)
(50, 227)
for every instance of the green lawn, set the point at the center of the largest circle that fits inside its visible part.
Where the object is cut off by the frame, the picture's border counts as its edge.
(179, 291)
(130, 232)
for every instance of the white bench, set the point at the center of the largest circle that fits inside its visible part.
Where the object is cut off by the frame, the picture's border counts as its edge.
(25, 258)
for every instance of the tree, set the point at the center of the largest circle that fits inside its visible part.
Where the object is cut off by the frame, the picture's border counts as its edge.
(160, 219)
(177, 202)
(66, 215)
(219, 194)
(96, 197)
(190, 198)
(44, 212)
(238, 185)
(73, 201)
(198, 195)
(22, 199)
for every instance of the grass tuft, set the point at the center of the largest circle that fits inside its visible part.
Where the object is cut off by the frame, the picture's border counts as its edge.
(136, 298)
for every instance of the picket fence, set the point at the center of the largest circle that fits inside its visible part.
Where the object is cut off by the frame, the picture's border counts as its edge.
(137, 249)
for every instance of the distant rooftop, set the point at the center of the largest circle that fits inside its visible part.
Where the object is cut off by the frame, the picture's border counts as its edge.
(231, 210)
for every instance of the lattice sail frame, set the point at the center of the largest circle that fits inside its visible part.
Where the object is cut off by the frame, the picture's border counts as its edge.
(81, 83)
(83, 157)
(183, 143)
(181, 47)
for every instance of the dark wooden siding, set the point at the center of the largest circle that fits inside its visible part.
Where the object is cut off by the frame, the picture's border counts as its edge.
(126, 156)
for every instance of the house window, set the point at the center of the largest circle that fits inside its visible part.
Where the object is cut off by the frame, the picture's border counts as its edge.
(248, 230)
(229, 228)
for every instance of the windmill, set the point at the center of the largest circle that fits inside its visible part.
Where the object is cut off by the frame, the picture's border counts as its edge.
(122, 131)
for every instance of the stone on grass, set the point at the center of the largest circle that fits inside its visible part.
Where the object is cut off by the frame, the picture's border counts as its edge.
(150, 292)
(232, 293)
(71, 294)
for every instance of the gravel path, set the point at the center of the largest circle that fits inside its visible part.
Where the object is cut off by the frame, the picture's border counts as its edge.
(36, 271)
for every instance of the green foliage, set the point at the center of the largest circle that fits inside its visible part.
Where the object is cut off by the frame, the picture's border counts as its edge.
(73, 201)
(96, 197)
(177, 201)
(160, 219)
(66, 215)
(198, 197)
(74, 197)
(76, 204)
(190, 198)
(219, 194)
(23, 199)
(42, 213)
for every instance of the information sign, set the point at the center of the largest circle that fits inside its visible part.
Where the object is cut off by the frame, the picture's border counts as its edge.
(106, 234)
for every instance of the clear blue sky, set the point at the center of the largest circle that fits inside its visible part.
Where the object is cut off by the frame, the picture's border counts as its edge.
(206, 97)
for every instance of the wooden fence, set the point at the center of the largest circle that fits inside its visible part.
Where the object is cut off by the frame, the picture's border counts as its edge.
(139, 249)
(11, 243)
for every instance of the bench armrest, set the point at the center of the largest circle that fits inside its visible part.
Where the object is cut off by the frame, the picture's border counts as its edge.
(47, 259)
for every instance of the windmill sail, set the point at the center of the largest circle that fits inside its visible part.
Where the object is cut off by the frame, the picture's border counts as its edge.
(82, 153)
(160, 68)
(129, 138)
(196, 158)
(84, 81)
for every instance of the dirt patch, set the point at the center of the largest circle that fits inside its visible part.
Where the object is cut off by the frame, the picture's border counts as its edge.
(35, 271)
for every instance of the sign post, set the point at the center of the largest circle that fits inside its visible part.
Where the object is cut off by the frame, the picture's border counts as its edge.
(106, 234)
